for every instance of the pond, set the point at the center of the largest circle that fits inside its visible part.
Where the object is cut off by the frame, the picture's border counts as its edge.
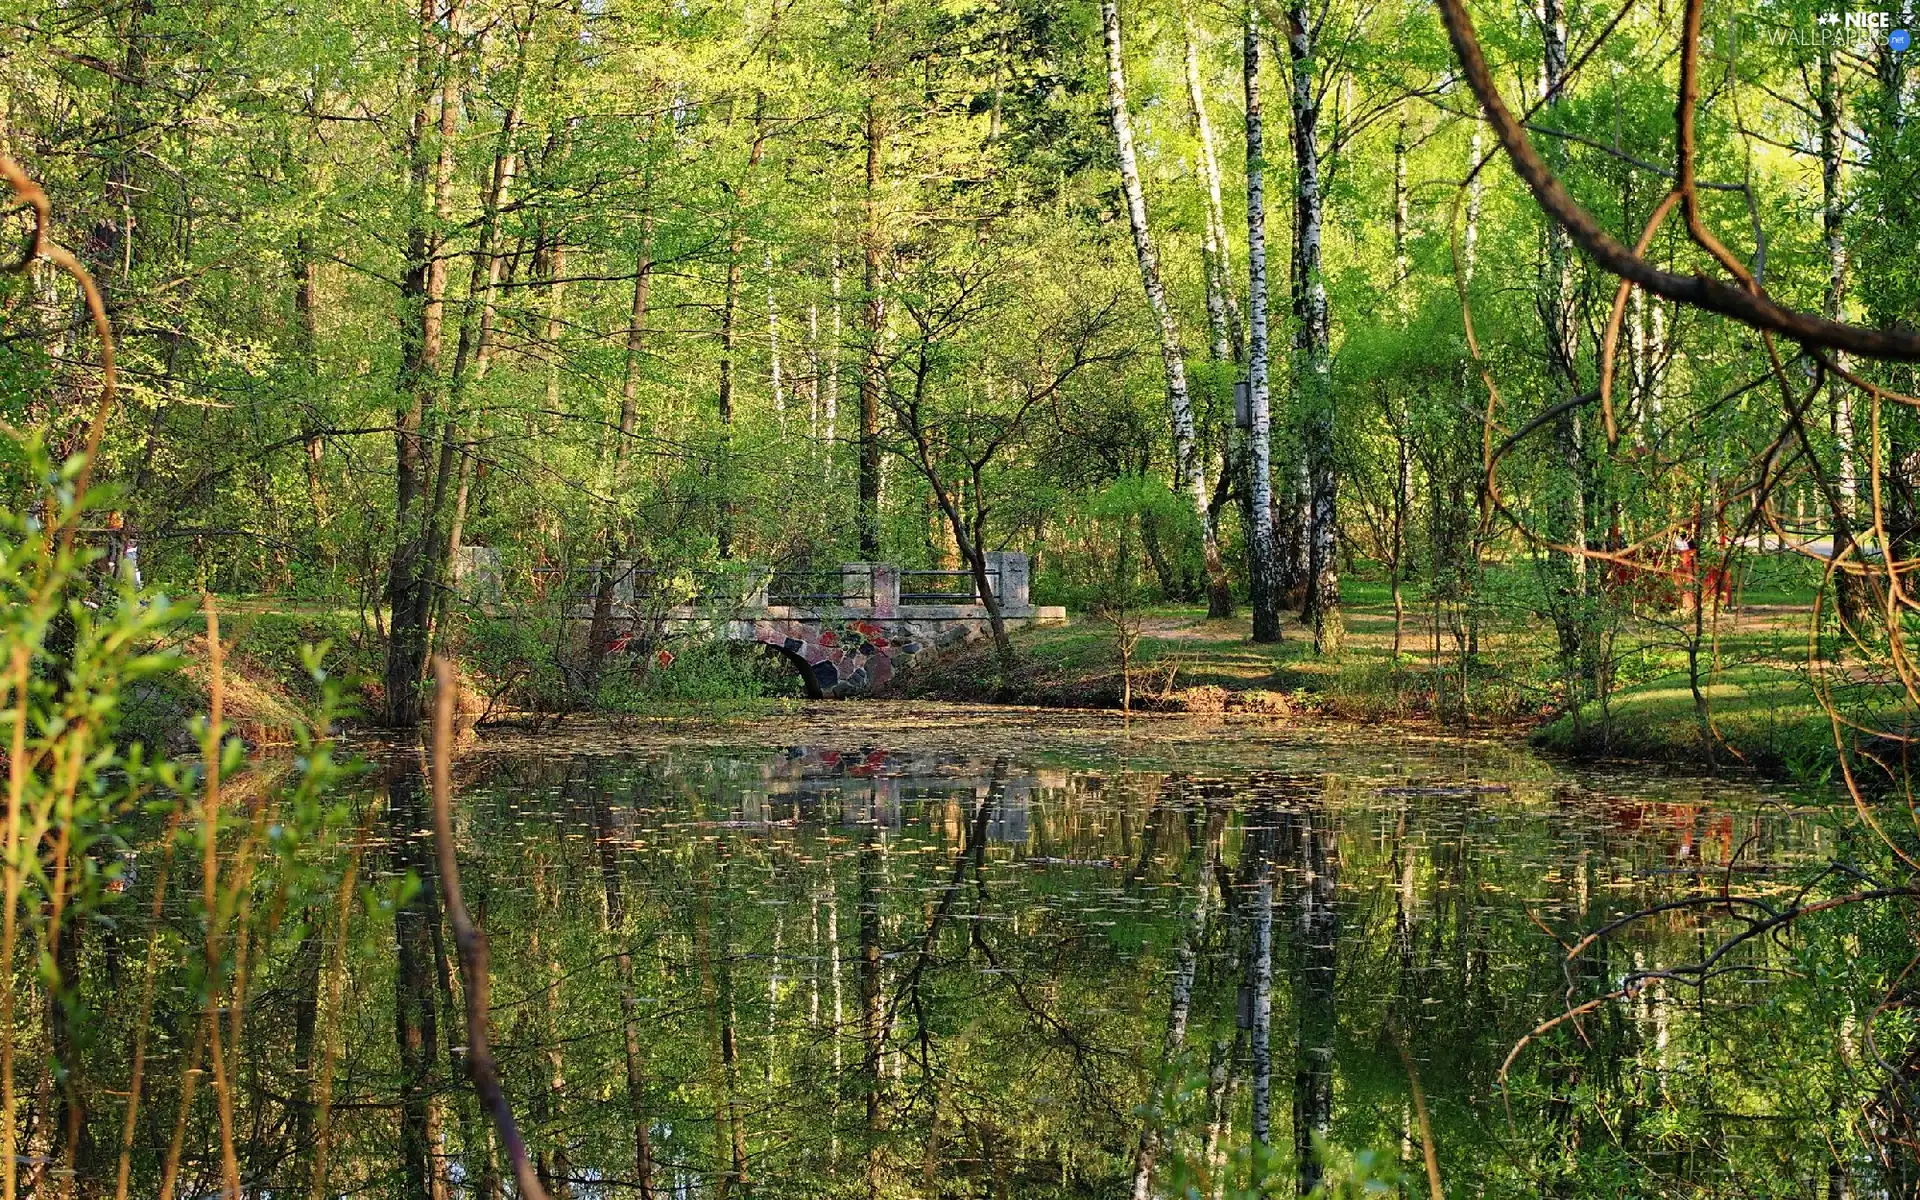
(891, 951)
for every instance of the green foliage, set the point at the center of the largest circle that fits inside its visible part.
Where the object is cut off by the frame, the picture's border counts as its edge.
(708, 674)
(1122, 545)
(86, 807)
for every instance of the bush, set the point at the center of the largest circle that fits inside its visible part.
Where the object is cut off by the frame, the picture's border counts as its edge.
(695, 671)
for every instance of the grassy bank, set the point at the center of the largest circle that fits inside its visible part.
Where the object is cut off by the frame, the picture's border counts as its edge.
(508, 670)
(1754, 706)
(1741, 699)
(267, 689)
(1185, 662)
(1761, 717)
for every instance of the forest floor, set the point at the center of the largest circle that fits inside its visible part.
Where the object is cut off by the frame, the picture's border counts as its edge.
(1752, 673)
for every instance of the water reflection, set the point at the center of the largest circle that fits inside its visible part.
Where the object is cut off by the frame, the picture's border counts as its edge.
(832, 970)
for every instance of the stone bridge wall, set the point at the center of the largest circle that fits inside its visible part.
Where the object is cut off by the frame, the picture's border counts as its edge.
(852, 648)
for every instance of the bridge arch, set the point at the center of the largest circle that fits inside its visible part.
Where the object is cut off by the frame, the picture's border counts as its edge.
(835, 658)
(883, 618)
(800, 665)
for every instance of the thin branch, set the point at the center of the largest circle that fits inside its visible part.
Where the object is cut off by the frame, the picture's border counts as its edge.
(472, 944)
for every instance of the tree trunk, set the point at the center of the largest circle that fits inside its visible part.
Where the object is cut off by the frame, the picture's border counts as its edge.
(306, 303)
(600, 630)
(775, 384)
(410, 573)
(873, 310)
(1849, 593)
(1185, 956)
(1260, 982)
(830, 385)
(1266, 575)
(1312, 365)
(1186, 450)
(1315, 856)
(636, 1073)
(1397, 417)
(729, 310)
(872, 1002)
(1400, 211)
(996, 621)
(1464, 557)
(1903, 431)
(716, 989)
(473, 352)
(1223, 315)
(416, 1029)
(1225, 341)
(1566, 489)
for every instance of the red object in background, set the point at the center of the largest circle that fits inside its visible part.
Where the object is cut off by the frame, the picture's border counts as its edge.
(1719, 585)
(1665, 575)
(664, 658)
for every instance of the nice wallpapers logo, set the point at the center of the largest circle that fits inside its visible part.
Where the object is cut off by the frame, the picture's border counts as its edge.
(1860, 32)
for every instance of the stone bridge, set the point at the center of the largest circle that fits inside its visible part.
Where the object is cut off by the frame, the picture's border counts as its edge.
(846, 630)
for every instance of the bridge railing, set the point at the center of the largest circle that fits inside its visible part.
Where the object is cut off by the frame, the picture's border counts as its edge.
(820, 588)
(945, 587)
(637, 591)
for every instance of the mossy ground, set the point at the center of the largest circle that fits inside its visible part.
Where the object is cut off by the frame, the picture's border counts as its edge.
(1761, 710)
(268, 691)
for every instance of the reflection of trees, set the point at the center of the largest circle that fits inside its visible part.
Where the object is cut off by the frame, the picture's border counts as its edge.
(415, 997)
(970, 978)
(1200, 856)
(1311, 851)
(612, 875)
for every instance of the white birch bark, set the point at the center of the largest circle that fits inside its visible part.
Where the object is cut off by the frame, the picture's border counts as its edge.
(813, 371)
(1261, 1044)
(836, 330)
(1179, 1010)
(1312, 365)
(1186, 452)
(1316, 930)
(776, 381)
(1266, 581)
(1223, 317)
(1833, 220)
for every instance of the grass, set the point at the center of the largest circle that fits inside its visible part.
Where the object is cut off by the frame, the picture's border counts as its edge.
(1762, 717)
(1762, 711)
(1183, 660)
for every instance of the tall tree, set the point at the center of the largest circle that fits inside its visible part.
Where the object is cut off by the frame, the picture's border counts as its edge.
(1830, 104)
(1566, 485)
(412, 573)
(1313, 850)
(1223, 312)
(1186, 450)
(873, 307)
(1265, 584)
(1313, 341)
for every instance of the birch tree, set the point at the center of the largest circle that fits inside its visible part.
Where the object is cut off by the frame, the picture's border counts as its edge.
(1312, 342)
(1188, 475)
(1265, 581)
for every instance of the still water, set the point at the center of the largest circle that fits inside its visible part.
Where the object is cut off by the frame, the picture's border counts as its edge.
(952, 952)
